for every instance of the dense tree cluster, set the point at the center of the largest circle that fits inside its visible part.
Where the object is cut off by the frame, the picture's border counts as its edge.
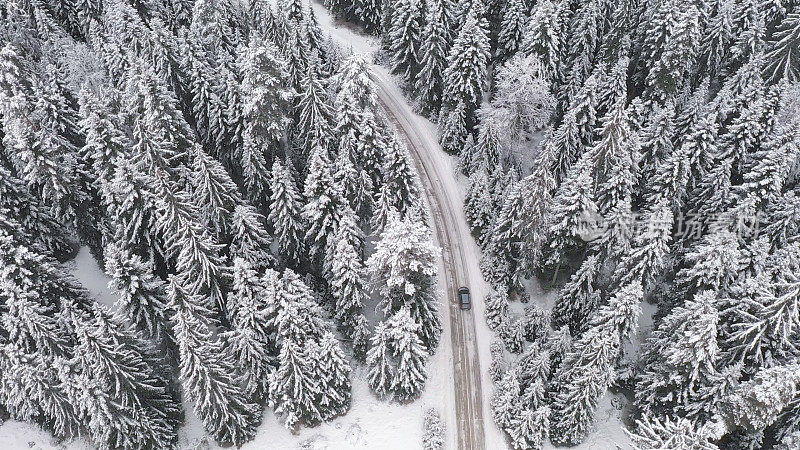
(227, 167)
(626, 152)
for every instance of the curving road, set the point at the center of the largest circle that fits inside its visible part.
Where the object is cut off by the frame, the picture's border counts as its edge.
(466, 366)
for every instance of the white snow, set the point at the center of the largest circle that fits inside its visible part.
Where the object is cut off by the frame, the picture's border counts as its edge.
(88, 272)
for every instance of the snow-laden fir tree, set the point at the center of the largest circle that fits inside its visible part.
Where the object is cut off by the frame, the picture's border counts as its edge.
(294, 387)
(466, 73)
(142, 295)
(784, 49)
(406, 38)
(403, 270)
(333, 373)
(579, 298)
(265, 107)
(128, 403)
(347, 283)
(208, 375)
(323, 209)
(512, 28)
(542, 38)
(681, 356)
(453, 128)
(380, 362)
(285, 212)
(314, 115)
(410, 355)
(249, 237)
(33, 218)
(588, 369)
(433, 57)
(433, 437)
(250, 338)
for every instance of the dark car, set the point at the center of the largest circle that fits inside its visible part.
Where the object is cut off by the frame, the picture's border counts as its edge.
(464, 299)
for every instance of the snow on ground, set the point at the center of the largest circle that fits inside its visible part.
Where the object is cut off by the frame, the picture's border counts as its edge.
(88, 272)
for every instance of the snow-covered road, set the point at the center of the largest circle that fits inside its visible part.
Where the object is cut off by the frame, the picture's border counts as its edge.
(466, 363)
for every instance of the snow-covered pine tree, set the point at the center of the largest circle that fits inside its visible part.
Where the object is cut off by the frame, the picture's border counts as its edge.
(314, 115)
(403, 272)
(433, 57)
(323, 209)
(293, 387)
(578, 299)
(379, 361)
(542, 38)
(433, 437)
(33, 218)
(680, 357)
(285, 213)
(654, 434)
(250, 338)
(128, 404)
(588, 369)
(400, 176)
(265, 107)
(142, 295)
(214, 193)
(347, 284)
(207, 370)
(410, 355)
(466, 74)
(249, 237)
(406, 39)
(515, 16)
(673, 42)
(505, 401)
(333, 373)
(453, 128)
(784, 50)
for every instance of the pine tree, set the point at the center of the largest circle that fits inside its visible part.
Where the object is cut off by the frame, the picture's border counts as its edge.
(681, 356)
(314, 119)
(214, 194)
(512, 28)
(207, 372)
(129, 404)
(505, 401)
(403, 271)
(293, 386)
(323, 209)
(674, 56)
(757, 403)
(250, 338)
(784, 51)
(265, 104)
(433, 58)
(142, 295)
(250, 239)
(587, 370)
(574, 211)
(333, 373)
(406, 38)
(347, 283)
(410, 354)
(579, 298)
(33, 218)
(453, 128)
(285, 213)
(379, 361)
(465, 76)
(653, 434)
(433, 438)
(542, 38)
(400, 176)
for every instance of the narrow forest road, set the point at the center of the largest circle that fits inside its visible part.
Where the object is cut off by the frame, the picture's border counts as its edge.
(448, 225)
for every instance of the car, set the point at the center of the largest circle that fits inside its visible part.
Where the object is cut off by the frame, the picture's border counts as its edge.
(464, 299)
